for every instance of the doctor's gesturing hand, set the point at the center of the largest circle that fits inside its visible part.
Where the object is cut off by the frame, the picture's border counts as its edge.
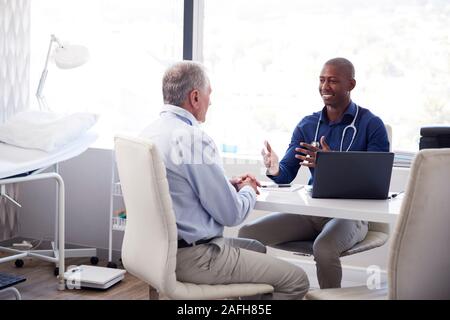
(309, 152)
(270, 159)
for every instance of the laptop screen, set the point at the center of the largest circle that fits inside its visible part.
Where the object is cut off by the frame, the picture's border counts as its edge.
(352, 175)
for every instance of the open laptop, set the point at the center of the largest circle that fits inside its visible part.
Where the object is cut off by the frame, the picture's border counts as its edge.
(352, 175)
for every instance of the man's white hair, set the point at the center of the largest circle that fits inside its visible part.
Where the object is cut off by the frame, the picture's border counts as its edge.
(180, 79)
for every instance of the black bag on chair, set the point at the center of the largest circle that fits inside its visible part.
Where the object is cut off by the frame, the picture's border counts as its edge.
(434, 137)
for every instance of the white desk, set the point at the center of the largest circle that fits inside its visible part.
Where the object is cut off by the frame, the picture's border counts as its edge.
(301, 202)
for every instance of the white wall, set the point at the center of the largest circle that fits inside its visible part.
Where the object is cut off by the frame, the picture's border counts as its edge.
(14, 57)
(14, 83)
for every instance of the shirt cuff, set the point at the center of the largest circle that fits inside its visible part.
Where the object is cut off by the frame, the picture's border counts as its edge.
(275, 179)
(248, 189)
(272, 176)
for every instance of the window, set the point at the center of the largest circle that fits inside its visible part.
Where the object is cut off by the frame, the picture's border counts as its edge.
(131, 43)
(264, 58)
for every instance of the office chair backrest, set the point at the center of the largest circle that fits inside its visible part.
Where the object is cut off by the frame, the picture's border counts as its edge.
(150, 241)
(434, 137)
(419, 262)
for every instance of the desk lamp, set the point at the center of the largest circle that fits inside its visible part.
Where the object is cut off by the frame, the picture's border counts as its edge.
(65, 57)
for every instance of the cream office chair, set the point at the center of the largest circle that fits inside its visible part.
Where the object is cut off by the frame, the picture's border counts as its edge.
(149, 247)
(419, 258)
(377, 234)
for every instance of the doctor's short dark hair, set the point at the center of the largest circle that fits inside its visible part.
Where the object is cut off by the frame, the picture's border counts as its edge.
(180, 79)
(343, 64)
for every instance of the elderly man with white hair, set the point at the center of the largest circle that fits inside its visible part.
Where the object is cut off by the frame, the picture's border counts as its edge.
(205, 200)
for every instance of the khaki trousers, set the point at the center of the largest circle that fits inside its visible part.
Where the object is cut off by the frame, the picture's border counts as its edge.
(230, 260)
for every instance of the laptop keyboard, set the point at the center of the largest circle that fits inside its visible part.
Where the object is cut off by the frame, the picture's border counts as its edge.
(8, 280)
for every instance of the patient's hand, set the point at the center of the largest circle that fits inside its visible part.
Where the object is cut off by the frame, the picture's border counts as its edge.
(249, 181)
(252, 177)
(235, 181)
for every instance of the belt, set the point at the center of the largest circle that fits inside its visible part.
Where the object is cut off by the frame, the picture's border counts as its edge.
(183, 244)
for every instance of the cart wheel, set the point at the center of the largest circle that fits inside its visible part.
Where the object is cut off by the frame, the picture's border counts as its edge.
(56, 271)
(94, 261)
(19, 263)
(111, 265)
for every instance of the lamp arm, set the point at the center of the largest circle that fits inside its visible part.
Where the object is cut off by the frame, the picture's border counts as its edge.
(45, 71)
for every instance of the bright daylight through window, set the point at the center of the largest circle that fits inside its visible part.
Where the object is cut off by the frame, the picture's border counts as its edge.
(265, 56)
(130, 42)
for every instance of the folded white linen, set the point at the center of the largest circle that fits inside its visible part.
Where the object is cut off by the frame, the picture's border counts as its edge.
(45, 130)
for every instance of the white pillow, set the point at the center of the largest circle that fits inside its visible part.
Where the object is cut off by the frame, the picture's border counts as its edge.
(45, 130)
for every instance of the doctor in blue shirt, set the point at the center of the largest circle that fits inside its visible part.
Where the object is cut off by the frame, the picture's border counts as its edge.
(341, 125)
(205, 200)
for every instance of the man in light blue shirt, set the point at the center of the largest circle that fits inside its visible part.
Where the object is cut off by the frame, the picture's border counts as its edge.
(205, 201)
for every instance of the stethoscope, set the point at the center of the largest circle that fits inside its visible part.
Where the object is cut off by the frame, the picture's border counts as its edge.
(316, 143)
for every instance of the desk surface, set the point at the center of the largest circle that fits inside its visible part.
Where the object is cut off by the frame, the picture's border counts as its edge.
(301, 202)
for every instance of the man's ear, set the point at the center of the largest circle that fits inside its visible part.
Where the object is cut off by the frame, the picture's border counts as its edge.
(193, 97)
(352, 84)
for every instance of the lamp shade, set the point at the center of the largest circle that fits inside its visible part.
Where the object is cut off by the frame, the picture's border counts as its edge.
(70, 56)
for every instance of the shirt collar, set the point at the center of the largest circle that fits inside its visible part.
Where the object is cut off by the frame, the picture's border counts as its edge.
(181, 113)
(351, 110)
(349, 113)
